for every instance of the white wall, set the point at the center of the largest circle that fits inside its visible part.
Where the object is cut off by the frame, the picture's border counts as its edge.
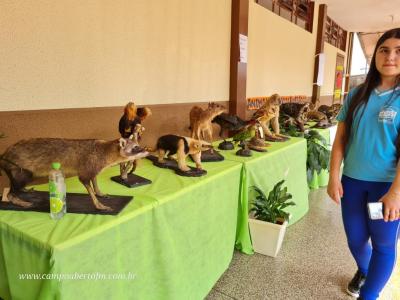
(94, 53)
(281, 55)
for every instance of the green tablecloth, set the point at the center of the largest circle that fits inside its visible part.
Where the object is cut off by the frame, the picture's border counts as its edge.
(282, 161)
(175, 239)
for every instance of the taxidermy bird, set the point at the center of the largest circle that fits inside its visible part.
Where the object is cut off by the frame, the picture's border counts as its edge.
(244, 135)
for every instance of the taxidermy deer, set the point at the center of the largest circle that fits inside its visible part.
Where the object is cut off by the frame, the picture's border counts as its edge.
(200, 120)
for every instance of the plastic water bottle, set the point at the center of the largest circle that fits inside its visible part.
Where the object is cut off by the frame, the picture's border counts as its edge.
(57, 192)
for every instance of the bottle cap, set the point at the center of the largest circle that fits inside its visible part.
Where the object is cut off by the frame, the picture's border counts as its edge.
(56, 165)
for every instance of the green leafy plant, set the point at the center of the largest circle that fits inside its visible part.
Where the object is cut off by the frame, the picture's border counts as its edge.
(271, 208)
(318, 153)
(289, 128)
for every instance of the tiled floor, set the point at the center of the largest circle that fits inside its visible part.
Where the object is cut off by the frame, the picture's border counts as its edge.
(314, 263)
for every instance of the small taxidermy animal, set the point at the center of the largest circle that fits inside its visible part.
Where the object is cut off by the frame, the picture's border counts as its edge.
(267, 115)
(200, 120)
(181, 146)
(315, 115)
(143, 113)
(245, 134)
(320, 117)
(30, 159)
(130, 166)
(229, 123)
(257, 142)
(131, 117)
(128, 120)
(298, 111)
(130, 125)
(330, 111)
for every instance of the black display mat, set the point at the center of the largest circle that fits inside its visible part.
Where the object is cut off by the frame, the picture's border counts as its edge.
(226, 145)
(132, 181)
(76, 203)
(208, 156)
(173, 165)
(244, 153)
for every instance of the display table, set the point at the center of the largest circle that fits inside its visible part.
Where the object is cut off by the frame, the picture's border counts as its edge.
(282, 161)
(173, 240)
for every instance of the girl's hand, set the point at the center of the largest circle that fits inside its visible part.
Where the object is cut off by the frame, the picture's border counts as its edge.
(335, 190)
(391, 206)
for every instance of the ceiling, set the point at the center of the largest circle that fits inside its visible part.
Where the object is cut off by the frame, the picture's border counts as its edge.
(364, 15)
(367, 17)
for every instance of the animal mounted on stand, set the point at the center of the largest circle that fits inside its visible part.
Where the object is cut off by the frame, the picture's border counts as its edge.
(130, 125)
(129, 167)
(289, 126)
(268, 115)
(257, 142)
(128, 120)
(200, 120)
(242, 139)
(244, 135)
(330, 111)
(229, 123)
(169, 145)
(85, 158)
(298, 111)
(251, 137)
(319, 117)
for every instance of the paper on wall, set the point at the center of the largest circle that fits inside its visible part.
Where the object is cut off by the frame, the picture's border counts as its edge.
(243, 48)
(321, 68)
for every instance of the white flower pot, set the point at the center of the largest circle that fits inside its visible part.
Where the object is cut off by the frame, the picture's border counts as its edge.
(267, 237)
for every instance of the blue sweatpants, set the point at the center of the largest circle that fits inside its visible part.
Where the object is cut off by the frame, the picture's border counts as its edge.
(376, 261)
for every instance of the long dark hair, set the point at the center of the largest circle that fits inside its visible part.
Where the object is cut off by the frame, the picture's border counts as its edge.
(360, 98)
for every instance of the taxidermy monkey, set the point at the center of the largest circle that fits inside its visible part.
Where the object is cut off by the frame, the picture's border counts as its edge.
(130, 126)
(267, 115)
(30, 159)
(181, 146)
(128, 120)
(131, 117)
(143, 113)
(200, 120)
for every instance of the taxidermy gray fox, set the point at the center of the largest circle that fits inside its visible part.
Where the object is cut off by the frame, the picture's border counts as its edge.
(30, 159)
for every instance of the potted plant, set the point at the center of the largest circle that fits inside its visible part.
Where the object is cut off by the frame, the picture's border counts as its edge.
(268, 220)
(318, 154)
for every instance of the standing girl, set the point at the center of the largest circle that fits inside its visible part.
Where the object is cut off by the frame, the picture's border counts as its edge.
(366, 138)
